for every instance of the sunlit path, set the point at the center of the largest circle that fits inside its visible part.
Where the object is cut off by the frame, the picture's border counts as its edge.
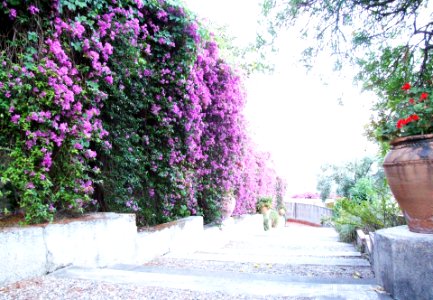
(293, 262)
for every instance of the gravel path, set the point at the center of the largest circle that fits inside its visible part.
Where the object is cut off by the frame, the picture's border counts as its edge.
(51, 288)
(276, 269)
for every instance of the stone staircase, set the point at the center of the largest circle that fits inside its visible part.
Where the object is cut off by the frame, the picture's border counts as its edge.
(293, 262)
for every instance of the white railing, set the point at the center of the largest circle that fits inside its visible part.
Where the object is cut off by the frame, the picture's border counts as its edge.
(307, 212)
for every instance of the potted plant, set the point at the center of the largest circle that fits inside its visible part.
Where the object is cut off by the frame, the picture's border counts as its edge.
(281, 210)
(409, 163)
(228, 204)
(264, 204)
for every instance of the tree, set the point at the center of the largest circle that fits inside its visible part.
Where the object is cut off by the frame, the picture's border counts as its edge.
(248, 57)
(280, 190)
(391, 41)
(345, 177)
(343, 26)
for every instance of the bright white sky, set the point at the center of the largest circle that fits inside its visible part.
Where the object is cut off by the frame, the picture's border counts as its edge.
(293, 115)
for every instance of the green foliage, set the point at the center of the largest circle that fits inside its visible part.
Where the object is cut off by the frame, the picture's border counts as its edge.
(264, 202)
(345, 176)
(270, 219)
(249, 58)
(410, 114)
(122, 106)
(275, 217)
(137, 172)
(344, 26)
(366, 203)
(377, 211)
(45, 167)
(270, 216)
(280, 189)
(390, 41)
(324, 186)
(363, 190)
(266, 222)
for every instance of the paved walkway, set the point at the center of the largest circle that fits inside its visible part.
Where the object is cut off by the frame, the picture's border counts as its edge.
(294, 262)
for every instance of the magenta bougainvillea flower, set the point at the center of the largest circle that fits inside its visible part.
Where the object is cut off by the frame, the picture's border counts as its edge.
(126, 106)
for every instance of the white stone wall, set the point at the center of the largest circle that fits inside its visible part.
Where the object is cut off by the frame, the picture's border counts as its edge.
(97, 240)
(104, 239)
(23, 253)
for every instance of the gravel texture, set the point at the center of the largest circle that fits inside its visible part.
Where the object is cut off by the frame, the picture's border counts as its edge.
(277, 269)
(51, 288)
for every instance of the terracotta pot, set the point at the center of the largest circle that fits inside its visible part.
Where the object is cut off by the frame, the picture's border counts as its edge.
(264, 210)
(228, 206)
(281, 211)
(409, 170)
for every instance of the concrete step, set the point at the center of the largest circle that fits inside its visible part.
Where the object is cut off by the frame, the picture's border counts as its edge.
(228, 282)
(290, 244)
(310, 271)
(286, 259)
(284, 252)
(240, 275)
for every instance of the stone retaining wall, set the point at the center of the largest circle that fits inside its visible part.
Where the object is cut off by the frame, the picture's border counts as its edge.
(95, 240)
(103, 239)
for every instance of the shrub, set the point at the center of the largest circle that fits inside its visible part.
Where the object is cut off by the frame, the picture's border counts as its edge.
(369, 216)
(275, 217)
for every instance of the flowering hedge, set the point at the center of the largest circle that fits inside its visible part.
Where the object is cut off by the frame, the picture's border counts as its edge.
(122, 106)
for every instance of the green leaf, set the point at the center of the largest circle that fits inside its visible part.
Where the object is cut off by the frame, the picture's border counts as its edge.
(77, 46)
(14, 2)
(32, 36)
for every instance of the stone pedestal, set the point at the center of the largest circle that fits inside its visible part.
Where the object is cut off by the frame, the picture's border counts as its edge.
(403, 263)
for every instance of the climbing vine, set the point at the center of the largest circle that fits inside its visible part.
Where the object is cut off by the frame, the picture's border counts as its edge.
(122, 106)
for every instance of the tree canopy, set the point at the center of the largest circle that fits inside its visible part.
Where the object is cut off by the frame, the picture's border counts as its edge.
(344, 27)
(390, 41)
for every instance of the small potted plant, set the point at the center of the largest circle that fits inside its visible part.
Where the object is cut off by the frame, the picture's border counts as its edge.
(407, 124)
(264, 204)
(281, 210)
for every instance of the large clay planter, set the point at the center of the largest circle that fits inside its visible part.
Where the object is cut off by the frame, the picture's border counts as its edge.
(409, 170)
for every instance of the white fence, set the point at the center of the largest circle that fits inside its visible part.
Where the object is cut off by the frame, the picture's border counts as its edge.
(307, 212)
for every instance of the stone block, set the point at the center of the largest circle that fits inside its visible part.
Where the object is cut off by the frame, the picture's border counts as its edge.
(151, 244)
(22, 253)
(96, 240)
(188, 235)
(183, 235)
(249, 223)
(403, 263)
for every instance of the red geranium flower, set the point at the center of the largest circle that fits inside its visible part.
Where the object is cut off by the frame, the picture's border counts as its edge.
(411, 101)
(406, 86)
(401, 123)
(423, 96)
(414, 117)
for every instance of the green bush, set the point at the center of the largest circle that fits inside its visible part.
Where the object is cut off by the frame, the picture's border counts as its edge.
(266, 222)
(369, 216)
(275, 217)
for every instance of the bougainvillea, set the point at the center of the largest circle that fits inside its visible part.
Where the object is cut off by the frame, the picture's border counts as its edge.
(307, 195)
(122, 106)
